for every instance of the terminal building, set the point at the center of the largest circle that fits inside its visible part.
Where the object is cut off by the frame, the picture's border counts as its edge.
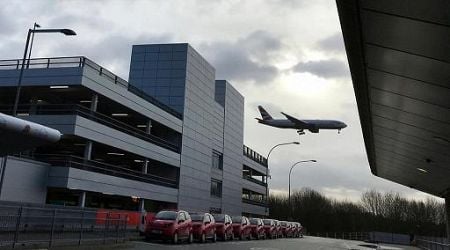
(169, 137)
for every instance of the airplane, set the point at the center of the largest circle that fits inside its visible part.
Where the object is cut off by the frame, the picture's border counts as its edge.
(291, 122)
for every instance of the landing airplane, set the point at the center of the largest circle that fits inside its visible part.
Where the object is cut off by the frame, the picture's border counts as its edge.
(312, 125)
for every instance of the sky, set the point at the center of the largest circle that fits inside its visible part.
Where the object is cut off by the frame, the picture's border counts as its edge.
(286, 55)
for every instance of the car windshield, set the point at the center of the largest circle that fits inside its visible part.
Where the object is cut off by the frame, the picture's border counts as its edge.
(236, 219)
(197, 217)
(219, 218)
(166, 215)
(254, 221)
(266, 222)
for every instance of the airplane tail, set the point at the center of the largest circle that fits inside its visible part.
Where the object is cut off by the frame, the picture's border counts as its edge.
(265, 116)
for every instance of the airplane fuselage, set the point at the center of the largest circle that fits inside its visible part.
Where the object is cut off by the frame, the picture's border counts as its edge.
(312, 124)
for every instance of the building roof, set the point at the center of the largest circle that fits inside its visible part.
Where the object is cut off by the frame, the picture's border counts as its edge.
(399, 57)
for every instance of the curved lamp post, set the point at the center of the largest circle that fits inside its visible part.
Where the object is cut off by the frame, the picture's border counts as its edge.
(267, 169)
(290, 171)
(67, 32)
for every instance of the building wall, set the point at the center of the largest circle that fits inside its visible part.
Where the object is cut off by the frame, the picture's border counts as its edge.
(160, 71)
(232, 152)
(25, 181)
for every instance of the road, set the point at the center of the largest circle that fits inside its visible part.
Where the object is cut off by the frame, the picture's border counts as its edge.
(307, 243)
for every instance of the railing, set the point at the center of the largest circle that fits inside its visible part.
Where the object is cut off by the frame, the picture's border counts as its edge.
(432, 243)
(80, 61)
(260, 203)
(249, 178)
(62, 109)
(48, 227)
(104, 168)
(248, 152)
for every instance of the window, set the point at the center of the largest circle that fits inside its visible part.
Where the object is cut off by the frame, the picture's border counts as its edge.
(217, 160)
(216, 188)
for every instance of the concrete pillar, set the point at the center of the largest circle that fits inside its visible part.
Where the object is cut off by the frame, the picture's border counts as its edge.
(145, 166)
(142, 205)
(148, 129)
(447, 216)
(82, 200)
(88, 150)
(94, 102)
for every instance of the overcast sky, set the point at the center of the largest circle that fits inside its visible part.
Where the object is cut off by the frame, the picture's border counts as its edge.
(287, 55)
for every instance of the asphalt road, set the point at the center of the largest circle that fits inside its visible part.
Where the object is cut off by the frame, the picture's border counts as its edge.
(307, 243)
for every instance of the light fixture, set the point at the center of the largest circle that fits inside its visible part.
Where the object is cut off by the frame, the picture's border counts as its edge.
(245, 170)
(141, 126)
(138, 161)
(23, 114)
(119, 114)
(114, 153)
(59, 87)
(422, 170)
(39, 100)
(85, 101)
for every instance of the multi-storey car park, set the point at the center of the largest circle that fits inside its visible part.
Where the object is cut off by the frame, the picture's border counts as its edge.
(170, 137)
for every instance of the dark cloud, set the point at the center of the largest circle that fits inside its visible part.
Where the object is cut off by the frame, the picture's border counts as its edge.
(246, 59)
(331, 68)
(333, 43)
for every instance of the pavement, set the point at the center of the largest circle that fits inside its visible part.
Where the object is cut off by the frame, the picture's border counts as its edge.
(306, 243)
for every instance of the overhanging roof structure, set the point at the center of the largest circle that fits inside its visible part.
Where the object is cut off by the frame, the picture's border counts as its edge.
(399, 57)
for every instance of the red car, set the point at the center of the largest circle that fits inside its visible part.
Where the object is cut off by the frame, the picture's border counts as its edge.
(270, 228)
(224, 226)
(278, 227)
(241, 227)
(297, 230)
(286, 229)
(257, 227)
(170, 225)
(203, 227)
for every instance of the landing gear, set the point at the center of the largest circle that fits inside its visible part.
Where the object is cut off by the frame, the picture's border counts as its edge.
(300, 132)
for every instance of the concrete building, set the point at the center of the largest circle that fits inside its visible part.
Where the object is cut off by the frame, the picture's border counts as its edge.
(170, 137)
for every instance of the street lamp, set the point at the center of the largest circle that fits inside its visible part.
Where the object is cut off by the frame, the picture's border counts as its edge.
(290, 171)
(67, 32)
(267, 169)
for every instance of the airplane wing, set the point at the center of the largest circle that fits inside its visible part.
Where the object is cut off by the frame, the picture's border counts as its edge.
(296, 121)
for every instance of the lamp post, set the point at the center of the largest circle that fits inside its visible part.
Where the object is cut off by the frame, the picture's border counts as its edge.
(290, 171)
(67, 32)
(267, 169)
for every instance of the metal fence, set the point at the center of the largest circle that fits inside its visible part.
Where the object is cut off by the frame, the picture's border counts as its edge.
(361, 236)
(47, 227)
(432, 243)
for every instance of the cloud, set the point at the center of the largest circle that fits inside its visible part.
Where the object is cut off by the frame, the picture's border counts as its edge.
(246, 59)
(331, 68)
(333, 43)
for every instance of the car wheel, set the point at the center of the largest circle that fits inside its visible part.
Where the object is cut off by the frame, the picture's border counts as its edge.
(203, 238)
(191, 238)
(175, 238)
(214, 237)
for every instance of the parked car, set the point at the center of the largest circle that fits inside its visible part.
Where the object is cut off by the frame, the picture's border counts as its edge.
(257, 228)
(241, 227)
(170, 225)
(279, 230)
(270, 228)
(286, 229)
(299, 231)
(224, 227)
(203, 227)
